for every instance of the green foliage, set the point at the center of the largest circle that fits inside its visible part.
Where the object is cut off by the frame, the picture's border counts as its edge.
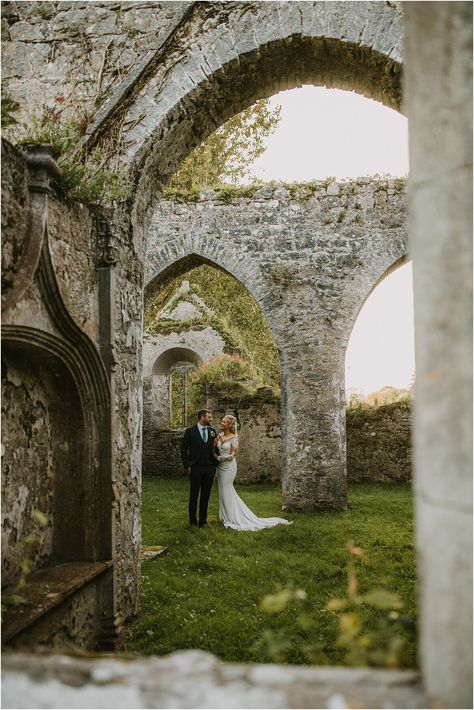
(9, 107)
(13, 597)
(229, 375)
(300, 191)
(377, 404)
(226, 154)
(84, 177)
(371, 627)
(279, 645)
(236, 316)
(226, 376)
(206, 592)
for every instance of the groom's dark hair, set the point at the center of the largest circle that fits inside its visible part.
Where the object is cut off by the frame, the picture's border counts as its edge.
(203, 411)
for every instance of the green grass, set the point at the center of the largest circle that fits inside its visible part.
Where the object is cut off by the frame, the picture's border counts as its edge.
(205, 592)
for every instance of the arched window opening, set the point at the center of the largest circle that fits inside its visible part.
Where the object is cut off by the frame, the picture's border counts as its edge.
(207, 345)
(380, 354)
(178, 383)
(275, 140)
(380, 372)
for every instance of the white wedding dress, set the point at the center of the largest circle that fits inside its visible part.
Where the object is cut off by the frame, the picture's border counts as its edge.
(232, 510)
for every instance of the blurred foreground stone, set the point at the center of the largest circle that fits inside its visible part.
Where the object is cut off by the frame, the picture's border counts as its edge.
(195, 679)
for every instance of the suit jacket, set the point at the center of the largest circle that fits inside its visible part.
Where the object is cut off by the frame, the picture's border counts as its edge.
(193, 447)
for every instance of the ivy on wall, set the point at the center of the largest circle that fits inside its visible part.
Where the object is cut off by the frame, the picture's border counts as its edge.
(236, 316)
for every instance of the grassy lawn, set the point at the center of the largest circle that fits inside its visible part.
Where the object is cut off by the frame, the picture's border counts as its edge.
(206, 591)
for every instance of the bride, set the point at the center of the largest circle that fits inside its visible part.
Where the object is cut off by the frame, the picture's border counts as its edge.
(232, 510)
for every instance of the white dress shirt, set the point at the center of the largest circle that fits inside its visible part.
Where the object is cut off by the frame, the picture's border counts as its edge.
(201, 431)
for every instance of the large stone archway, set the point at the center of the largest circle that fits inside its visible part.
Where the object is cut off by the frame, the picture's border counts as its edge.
(217, 60)
(309, 260)
(209, 62)
(223, 60)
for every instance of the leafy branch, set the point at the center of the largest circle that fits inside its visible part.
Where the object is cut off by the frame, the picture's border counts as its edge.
(225, 156)
(14, 597)
(84, 177)
(371, 626)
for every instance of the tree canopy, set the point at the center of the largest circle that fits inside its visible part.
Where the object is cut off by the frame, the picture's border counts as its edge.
(225, 156)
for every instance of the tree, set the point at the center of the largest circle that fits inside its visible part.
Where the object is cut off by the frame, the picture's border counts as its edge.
(225, 155)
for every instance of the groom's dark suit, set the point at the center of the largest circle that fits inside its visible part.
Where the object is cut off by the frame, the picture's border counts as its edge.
(197, 455)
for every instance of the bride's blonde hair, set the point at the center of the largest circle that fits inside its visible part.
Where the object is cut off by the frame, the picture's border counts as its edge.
(232, 421)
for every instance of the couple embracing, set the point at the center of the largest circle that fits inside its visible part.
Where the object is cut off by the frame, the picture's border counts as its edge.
(205, 454)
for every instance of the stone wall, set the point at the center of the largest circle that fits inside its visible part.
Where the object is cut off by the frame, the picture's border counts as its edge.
(196, 679)
(160, 352)
(379, 443)
(87, 47)
(162, 453)
(259, 429)
(71, 625)
(71, 342)
(28, 470)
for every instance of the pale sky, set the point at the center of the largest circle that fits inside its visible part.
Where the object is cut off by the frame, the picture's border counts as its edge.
(328, 132)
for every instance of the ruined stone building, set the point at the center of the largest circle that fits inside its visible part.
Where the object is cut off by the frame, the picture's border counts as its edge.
(359, 228)
(153, 79)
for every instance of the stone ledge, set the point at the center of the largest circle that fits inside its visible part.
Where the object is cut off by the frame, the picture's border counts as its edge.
(195, 679)
(45, 589)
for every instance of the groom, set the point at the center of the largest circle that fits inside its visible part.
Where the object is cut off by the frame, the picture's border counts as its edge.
(199, 462)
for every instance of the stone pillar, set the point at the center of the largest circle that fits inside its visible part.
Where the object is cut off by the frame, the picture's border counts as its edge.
(313, 429)
(438, 101)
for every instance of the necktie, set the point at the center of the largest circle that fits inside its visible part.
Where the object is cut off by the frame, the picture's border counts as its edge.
(204, 434)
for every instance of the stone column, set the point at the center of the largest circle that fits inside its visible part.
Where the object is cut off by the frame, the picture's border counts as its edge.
(438, 101)
(313, 428)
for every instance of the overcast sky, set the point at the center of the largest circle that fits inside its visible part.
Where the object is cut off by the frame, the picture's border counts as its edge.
(327, 132)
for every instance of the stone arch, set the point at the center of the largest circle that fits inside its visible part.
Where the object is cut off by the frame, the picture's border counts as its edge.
(90, 405)
(226, 58)
(61, 412)
(172, 359)
(165, 360)
(384, 266)
(53, 437)
(222, 62)
(185, 252)
(175, 259)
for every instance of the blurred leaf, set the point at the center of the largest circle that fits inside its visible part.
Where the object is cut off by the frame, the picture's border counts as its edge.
(382, 599)
(356, 551)
(350, 622)
(305, 622)
(352, 587)
(337, 604)
(274, 603)
(26, 565)
(40, 517)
